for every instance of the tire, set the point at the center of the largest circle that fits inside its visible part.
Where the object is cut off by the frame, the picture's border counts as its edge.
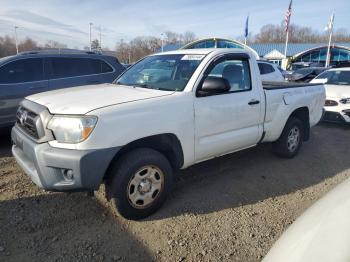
(140, 182)
(286, 146)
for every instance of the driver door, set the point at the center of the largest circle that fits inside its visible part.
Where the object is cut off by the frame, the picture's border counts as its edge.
(230, 121)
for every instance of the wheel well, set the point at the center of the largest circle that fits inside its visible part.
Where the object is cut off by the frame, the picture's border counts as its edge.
(167, 144)
(302, 113)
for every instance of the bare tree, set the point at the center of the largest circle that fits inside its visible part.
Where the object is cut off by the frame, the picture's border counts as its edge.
(123, 51)
(188, 37)
(54, 44)
(95, 45)
(27, 45)
(7, 46)
(171, 37)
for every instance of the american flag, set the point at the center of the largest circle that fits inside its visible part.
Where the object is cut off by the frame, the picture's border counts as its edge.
(287, 16)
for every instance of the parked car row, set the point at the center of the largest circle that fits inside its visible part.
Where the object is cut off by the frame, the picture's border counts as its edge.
(305, 74)
(39, 71)
(39, 117)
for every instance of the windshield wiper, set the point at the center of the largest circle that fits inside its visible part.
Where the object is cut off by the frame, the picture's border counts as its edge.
(141, 85)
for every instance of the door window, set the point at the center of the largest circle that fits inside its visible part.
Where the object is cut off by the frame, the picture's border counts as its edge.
(21, 71)
(236, 72)
(63, 67)
(105, 68)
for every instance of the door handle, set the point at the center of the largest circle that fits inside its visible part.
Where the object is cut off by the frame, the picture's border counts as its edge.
(253, 102)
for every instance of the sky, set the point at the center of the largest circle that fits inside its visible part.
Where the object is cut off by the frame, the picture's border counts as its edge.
(67, 21)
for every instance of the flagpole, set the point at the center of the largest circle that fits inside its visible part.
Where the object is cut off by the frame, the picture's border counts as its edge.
(329, 42)
(286, 46)
(287, 22)
(246, 30)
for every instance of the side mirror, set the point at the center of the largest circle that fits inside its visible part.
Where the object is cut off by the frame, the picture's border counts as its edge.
(213, 85)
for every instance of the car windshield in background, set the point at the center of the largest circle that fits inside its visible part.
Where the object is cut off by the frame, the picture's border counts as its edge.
(162, 72)
(303, 71)
(336, 77)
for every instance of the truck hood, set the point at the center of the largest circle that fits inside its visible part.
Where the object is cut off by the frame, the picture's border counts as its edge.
(338, 91)
(83, 99)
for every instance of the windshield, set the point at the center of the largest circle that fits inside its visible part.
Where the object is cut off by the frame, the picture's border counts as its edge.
(162, 72)
(336, 77)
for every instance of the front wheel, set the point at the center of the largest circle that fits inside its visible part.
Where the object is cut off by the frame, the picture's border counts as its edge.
(290, 141)
(140, 182)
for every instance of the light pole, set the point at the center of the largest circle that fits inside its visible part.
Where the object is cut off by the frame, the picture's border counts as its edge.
(162, 41)
(100, 38)
(16, 40)
(90, 35)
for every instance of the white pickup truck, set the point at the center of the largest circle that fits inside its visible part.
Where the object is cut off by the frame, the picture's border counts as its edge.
(168, 111)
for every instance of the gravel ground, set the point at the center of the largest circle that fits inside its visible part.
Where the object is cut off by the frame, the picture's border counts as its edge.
(231, 208)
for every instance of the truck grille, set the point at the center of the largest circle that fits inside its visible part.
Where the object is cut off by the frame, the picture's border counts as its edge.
(347, 112)
(28, 121)
(332, 117)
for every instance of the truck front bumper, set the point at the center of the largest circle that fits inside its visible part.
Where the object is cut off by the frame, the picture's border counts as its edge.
(56, 169)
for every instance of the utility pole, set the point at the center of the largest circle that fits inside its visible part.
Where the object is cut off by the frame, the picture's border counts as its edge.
(16, 40)
(90, 35)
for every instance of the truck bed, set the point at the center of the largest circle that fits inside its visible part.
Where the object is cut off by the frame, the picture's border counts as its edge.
(283, 85)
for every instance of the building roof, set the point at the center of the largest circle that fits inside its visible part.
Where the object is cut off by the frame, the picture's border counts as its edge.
(274, 49)
(199, 51)
(293, 48)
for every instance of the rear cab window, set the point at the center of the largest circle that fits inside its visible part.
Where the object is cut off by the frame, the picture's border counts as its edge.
(265, 68)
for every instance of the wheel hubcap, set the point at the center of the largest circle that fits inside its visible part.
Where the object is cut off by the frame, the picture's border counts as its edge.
(145, 186)
(293, 139)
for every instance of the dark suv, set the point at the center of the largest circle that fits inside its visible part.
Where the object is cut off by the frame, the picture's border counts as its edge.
(34, 72)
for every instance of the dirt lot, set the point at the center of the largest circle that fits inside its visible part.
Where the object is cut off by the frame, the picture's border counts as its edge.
(229, 209)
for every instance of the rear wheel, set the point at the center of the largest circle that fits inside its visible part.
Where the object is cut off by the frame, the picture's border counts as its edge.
(140, 182)
(290, 141)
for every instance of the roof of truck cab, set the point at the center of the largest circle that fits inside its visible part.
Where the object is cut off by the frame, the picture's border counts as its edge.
(203, 51)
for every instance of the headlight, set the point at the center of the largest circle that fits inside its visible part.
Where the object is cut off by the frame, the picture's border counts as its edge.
(72, 129)
(345, 100)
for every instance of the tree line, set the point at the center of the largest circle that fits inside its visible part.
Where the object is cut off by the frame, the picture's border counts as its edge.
(8, 45)
(140, 46)
(297, 34)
